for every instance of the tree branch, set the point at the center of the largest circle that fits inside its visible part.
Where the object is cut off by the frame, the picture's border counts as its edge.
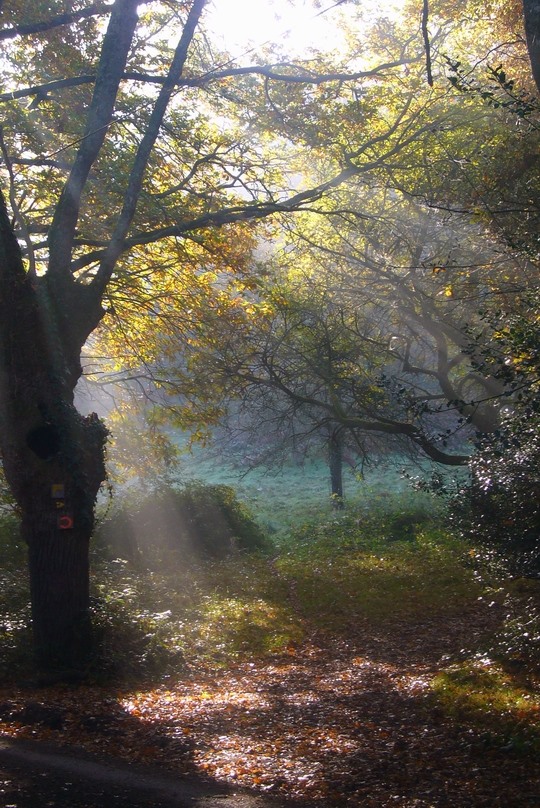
(42, 90)
(427, 44)
(531, 16)
(54, 22)
(362, 424)
(16, 209)
(304, 77)
(131, 197)
(240, 213)
(114, 53)
(200, 81)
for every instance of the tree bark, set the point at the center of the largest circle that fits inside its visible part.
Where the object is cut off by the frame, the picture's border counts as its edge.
(53, 458)
(531, 17)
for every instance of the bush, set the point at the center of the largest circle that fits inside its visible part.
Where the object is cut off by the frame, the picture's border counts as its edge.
(199, 521)
(501, 506)
(130, 641)
(518, 639)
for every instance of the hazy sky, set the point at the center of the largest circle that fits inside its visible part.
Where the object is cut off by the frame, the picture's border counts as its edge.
(298, 25)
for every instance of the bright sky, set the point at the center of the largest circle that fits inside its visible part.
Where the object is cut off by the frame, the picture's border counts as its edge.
(297, 24)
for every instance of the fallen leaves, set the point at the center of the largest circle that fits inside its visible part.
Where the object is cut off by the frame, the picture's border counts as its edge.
(336, 724)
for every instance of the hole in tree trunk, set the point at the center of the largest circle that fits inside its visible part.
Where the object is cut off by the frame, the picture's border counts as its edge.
(44, 441)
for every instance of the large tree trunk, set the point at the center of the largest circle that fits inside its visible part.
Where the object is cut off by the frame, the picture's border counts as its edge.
(531, 16)
(56, 495)
(53, 458)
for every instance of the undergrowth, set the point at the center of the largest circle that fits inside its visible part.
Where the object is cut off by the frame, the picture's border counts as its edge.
(374, 565)
(500, 705)
(494, 693)
(381, 560)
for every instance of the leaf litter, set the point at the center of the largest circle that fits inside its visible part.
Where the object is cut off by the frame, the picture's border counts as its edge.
(330, 723)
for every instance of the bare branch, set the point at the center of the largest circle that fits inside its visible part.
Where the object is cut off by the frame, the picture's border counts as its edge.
(268, 72)
(361, 423)
(303, 77)
(42, 90)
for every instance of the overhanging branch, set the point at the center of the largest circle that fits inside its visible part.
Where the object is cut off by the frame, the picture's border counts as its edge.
(54, 22)
(239, 213)
(268, 72)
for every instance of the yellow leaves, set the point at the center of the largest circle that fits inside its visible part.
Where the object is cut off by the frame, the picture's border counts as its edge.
(501, 333)
(264, 308)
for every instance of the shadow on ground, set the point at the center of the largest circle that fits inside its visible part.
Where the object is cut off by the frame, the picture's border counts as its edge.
(346, 723)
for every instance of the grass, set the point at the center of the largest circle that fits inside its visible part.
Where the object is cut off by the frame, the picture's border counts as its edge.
(383, 556)
(221, 611)
(501, 706)
(378, 584)
(294, 494)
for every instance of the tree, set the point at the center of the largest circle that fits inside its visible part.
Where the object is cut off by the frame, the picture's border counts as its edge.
(131, 166)
(419, 276)
(375, 237)
(79, 160)
(310, 364)
(531, 16)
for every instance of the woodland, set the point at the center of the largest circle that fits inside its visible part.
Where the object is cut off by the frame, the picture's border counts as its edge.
(269, 394)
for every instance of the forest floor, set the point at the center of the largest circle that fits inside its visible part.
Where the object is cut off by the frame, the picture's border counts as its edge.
(332, 722)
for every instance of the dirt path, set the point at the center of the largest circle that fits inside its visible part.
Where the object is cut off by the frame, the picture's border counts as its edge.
(335, 723)
(36, 775)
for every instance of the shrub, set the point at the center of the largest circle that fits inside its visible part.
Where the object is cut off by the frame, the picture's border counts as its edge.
(500, 507)
(131, 641)
(199, 521)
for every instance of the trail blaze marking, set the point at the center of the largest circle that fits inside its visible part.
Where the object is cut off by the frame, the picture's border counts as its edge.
(65, 522)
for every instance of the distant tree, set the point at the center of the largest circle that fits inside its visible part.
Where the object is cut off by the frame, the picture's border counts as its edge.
(309, 367)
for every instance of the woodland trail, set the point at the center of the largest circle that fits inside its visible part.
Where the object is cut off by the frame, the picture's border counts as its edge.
(36, 775)
(334, 723)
